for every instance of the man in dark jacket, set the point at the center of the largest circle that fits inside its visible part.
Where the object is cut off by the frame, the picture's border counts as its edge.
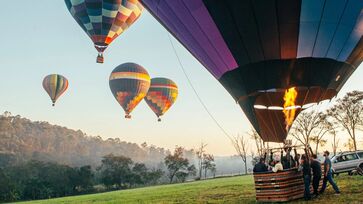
(316, 167)
(305, 168)
(260, 166)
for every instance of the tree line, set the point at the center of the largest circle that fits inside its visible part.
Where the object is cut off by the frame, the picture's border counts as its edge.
(33, 179)
(43, 180)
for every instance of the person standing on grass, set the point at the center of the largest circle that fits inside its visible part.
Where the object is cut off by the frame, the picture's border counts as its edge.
(328, 175)
(305, 168)
(316, 167)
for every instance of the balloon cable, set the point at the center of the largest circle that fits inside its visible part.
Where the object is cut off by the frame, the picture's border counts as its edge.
(195, 91)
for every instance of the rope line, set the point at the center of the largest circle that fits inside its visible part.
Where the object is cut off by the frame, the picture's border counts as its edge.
(195, 91)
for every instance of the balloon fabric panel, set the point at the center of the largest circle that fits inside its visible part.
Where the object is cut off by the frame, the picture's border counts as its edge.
(256, 48)
(161, 96)
(129, 83)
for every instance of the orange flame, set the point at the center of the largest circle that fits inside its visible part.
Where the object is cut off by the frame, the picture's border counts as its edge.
(289, 109)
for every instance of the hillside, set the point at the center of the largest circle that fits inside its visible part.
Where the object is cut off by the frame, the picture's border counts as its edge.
(222, 190)
(22, 139)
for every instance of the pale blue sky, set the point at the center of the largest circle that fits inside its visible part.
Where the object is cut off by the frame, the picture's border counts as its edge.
(41, 37)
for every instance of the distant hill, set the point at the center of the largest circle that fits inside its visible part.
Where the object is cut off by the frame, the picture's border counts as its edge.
(22, 139)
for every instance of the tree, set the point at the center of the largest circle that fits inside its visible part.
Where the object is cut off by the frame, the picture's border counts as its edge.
(140, 173)
(260, 144)
(318, 142)
(200, 152)
(83, 179)
(213, 170)
(183, 174)
(40, 180)
(208, 163)
(116, 171)
(347, 112)
(154, 175)
(311, 126)
(8, 191)
(335, 143)
(349, 144)
(177, 165)
(240, 145)
(255, 159)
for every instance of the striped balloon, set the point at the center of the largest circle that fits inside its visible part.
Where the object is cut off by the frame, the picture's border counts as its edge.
(161, 96)
(129, 84)
(55, 85)
(104, 20)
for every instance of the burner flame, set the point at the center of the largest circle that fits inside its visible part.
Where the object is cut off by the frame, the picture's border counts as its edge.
(289, 106)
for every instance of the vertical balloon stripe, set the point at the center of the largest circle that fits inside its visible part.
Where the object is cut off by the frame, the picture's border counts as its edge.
(55, 85)
(60, 85)
(311, 14)
(353, 38)
(329, 23)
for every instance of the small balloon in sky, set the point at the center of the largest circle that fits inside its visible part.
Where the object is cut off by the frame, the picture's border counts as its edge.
(104, 20)
(55, 85)
(129, 84)
(161, 96)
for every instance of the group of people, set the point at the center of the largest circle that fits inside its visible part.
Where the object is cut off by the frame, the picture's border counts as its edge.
(309, 165)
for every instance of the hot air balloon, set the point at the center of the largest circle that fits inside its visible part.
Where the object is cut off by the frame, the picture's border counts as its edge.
(129, 84)
(263, 52)
(104, 20)
(161, 95)
(55, 85)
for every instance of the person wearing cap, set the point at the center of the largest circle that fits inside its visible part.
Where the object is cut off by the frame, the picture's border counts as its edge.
(328, 175)
(316, 167)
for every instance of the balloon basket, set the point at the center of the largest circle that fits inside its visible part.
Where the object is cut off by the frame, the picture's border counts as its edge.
(100, 59)
(159, 119)
(53, 104)
(128, 116)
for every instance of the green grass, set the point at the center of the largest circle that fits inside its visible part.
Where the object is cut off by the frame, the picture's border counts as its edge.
(222, 190)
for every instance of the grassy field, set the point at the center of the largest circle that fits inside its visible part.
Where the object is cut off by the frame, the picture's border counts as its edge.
(222, 190)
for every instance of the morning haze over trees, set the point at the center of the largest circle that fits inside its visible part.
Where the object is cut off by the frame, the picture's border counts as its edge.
(39, 160)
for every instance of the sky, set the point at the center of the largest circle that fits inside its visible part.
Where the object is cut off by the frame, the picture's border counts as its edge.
(41, 37)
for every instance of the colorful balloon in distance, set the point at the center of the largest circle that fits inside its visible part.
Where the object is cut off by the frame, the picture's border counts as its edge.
(55, 85)
(161, 96)
(129, 84)
(104, 20)
(259, 50)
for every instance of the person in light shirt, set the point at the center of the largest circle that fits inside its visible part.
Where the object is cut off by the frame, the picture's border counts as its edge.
(278, 165)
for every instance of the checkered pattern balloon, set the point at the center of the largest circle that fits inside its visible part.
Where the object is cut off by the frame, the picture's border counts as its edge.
(162, 95)
(104, 20)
